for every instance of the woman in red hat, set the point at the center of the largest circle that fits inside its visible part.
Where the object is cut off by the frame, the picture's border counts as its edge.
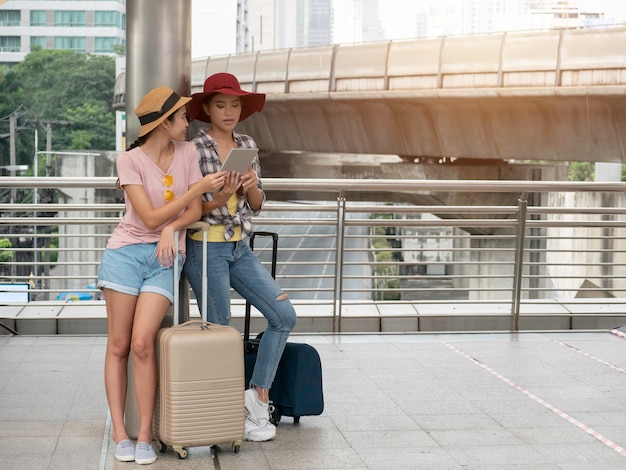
(162, 187)
(232, 263)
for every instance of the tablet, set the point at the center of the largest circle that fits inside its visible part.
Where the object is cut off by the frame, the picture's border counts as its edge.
(239, 160)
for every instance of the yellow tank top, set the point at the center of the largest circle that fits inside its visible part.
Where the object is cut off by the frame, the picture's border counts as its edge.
(216, 232)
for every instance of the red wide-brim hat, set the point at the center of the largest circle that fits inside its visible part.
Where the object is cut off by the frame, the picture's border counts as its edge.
(229, 85)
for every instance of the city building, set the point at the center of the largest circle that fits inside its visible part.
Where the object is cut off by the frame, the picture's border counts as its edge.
(282, 24)
(357, 21)
(93, 27)
(220, 27)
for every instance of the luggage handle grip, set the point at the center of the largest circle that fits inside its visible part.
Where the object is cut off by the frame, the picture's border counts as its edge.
(201, 322)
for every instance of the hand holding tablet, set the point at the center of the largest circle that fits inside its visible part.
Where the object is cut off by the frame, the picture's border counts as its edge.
(239, 160)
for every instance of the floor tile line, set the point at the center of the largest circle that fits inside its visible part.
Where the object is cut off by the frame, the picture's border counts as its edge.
(612, 445)
(105, 441)
(591, 356)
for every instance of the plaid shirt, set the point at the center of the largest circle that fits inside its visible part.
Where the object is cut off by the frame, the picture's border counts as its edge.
(210, 163)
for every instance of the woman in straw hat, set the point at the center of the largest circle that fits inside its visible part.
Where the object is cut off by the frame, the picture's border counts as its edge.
(162, 186)
(224, 104)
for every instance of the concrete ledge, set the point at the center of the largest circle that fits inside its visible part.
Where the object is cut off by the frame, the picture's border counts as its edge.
(398, 317)
(89, 317)
(37, 319)
(360, 318)
(8, 313)
(598, 314)
(79, 319)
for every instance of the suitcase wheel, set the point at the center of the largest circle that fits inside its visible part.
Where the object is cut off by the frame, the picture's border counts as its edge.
(181, 451)
(296, 419)
(235, 446)
(161, 447)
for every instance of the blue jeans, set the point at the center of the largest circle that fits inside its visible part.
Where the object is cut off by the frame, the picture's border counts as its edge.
(233, 264)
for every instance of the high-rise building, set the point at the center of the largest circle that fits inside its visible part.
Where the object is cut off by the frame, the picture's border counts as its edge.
(357, 21)
(92, 27)
(281, 24)
(315, 21)
(272, 24)
(484, 16)
(370, 24)
(220, 27)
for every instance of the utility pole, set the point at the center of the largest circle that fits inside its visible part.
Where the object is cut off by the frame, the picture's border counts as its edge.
(12, 151)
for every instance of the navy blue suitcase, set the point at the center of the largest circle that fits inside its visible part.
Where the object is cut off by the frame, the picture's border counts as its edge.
(297, 387)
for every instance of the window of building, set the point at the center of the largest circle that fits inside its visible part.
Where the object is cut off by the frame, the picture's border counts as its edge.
(10, 17)
(72, 43)
(105, 45)
(38, 41)
(9, 44)
(37, 17)
(107, 19)
(69, 18)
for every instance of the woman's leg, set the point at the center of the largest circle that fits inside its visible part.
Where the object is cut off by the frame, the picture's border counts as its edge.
(149, 313)
(254, 283)
(120, 313)
(219, 257)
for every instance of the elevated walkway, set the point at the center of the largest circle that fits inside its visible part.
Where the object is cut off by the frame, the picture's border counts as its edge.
(415, 401)
(540, 95)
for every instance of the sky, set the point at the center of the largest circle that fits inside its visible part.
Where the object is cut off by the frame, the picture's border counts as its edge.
(398, 16)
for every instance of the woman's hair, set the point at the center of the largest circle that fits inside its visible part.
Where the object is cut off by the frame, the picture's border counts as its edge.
(208, 98)
(142, 140)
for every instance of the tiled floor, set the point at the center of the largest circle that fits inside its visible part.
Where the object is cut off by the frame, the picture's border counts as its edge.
(458, 401)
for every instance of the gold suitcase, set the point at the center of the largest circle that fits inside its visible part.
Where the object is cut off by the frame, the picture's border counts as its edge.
(200, 387)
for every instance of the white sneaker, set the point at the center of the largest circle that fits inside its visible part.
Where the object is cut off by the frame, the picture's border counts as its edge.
(258, 427)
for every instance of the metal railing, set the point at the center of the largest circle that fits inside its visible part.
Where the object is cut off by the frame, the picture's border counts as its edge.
(558, 241)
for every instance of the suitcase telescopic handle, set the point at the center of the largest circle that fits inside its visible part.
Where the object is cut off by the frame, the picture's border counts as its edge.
(203, 324)
(274, 246)
(246, 329)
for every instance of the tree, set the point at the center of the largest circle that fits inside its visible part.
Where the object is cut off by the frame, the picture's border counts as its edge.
(61, 85)
(581, 171)
(10, 103)
(89, 130)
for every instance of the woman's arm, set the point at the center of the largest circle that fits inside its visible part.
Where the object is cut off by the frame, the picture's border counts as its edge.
(154, 218)
(221, 197)
(250, 188)
(166, 248)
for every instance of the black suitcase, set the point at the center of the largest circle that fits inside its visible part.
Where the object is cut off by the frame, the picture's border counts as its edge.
(297, 387)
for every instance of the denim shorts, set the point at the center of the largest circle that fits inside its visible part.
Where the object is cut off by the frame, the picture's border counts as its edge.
(133, 269)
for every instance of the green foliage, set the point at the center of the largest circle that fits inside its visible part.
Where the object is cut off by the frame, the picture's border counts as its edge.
(388, 266)
(119, 49)
(6, 255)
(60, 86)
(581, 171)
(585, 171)
(54, 255)
(89, 130)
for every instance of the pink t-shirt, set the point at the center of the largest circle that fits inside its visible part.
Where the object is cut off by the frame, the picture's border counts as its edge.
(135, 167)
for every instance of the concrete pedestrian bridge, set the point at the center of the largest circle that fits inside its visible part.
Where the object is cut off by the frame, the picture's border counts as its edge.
(554, 96)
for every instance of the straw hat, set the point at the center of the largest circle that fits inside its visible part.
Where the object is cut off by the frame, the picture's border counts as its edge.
(229, 85)
(156, 106)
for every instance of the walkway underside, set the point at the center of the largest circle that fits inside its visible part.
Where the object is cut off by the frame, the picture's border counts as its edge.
(564, 124)
(337, 166)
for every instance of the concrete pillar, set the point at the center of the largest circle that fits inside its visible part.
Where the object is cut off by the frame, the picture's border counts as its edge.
(158, 52)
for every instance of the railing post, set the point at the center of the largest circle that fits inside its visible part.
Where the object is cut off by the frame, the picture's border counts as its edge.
(522, 204)
(341, 229)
